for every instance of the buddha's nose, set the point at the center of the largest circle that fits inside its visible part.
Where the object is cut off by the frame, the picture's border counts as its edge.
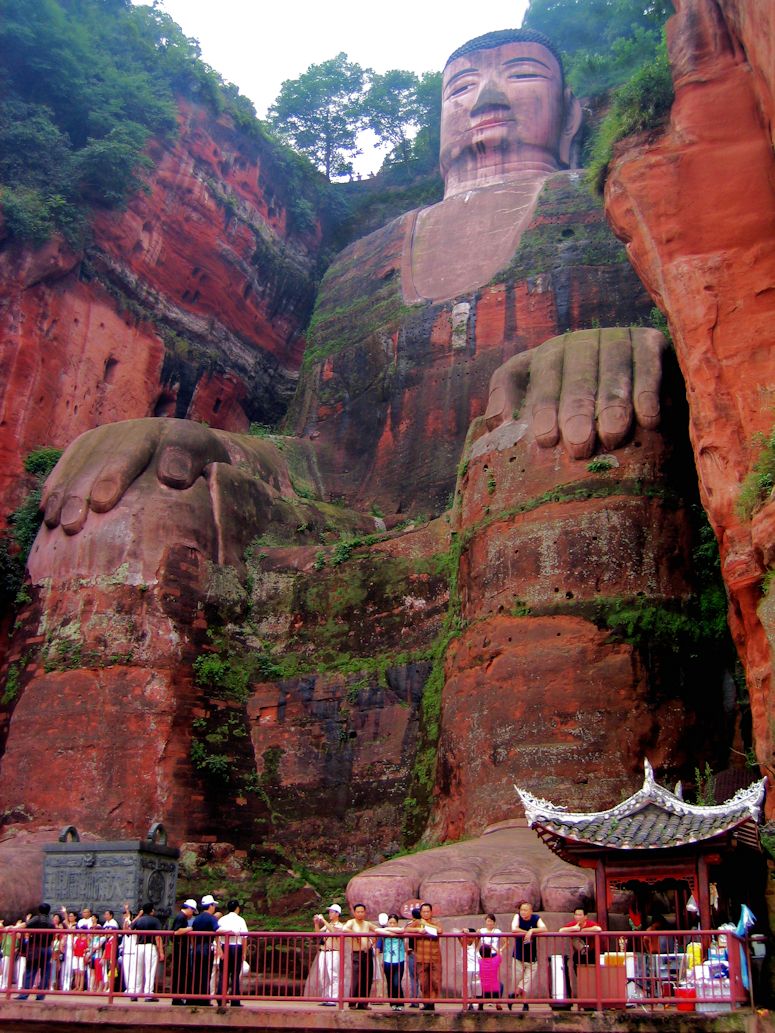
(490, 96)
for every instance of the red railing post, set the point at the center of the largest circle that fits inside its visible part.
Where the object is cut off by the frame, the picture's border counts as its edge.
(112, 959)
(12, 965)
(464, 994)
(225, 955)
(598, 985)
(340, 980)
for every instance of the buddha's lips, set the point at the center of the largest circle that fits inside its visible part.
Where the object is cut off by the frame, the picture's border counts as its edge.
(493, 120)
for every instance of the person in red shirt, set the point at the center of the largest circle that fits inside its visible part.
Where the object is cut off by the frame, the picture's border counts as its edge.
(583, 948)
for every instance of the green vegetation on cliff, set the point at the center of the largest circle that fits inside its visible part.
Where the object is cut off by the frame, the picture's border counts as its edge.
(24, 522)
(85, 85)
(760, 481)
(603, 42)
(614, 57)
(641, 105)
(568, 227)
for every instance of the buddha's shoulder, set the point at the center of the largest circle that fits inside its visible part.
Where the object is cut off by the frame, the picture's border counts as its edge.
(381, 247)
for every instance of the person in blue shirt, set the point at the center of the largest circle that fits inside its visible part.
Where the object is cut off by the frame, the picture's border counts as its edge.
(202, 947)
(393, 959)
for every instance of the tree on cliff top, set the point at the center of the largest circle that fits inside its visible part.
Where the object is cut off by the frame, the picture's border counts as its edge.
(320, 113)
(83, 85)
(391, 108)
(575, 25)
(604, 42)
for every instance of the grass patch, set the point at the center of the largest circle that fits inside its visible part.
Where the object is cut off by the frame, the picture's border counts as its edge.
(757, 486)
(641, 104)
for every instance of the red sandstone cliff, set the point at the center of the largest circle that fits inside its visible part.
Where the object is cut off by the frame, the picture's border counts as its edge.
(190, 302)
(224, 303)
(696, 208)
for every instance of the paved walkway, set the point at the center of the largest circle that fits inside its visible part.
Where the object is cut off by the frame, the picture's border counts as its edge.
(65, 1014)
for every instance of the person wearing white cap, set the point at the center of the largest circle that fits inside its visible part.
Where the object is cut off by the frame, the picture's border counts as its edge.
(202, 947)
(181, 950)
(330, 954)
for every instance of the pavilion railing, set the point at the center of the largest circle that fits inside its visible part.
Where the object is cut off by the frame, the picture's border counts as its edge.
(687, 971)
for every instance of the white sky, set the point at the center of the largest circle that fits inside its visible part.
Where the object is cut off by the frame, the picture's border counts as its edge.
(256, 44)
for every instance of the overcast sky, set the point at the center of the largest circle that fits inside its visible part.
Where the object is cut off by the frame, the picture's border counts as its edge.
(256, 44)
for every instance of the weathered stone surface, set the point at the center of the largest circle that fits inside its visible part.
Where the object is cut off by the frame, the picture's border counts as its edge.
(542, 529)
(70, 361)
(314, 748)
(334, 753)
(103, 667)
(697, 210)
(566, 714)
(70, 699)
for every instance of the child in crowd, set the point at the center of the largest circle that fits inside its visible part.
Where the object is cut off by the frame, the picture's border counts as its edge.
(489, 974)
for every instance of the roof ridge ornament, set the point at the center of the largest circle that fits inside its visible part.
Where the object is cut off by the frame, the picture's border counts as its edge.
(648, 774)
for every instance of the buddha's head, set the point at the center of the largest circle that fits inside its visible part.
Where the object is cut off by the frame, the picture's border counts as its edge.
(505, 109)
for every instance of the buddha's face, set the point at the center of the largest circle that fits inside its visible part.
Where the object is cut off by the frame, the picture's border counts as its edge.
(505, 101)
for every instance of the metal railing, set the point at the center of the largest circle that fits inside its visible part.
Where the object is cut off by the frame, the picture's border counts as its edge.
(703, 971)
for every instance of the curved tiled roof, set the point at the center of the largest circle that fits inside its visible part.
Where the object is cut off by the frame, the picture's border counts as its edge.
(653, 818)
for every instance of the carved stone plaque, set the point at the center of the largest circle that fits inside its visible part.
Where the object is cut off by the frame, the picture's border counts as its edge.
(105, 875)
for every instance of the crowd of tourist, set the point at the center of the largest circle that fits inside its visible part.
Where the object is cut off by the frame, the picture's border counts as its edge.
(66, 951)
(61, 951)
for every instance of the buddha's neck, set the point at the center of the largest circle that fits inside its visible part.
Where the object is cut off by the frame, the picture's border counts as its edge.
(491, 169)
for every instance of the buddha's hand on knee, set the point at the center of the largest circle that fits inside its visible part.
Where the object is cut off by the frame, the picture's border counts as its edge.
(582, 389)
(99, 466)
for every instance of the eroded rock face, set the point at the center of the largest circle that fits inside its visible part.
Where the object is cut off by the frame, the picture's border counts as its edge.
(535, 689)
(282, 758)
(335, 753)
(190, 303)
(101, 732)
(697, 209)
(565, 712)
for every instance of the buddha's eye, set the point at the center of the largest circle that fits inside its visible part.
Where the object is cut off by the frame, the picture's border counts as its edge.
(459, 88)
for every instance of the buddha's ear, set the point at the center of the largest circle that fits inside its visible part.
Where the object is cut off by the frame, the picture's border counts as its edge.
(571, 126)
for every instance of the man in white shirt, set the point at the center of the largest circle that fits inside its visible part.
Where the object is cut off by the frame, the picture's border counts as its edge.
(235, 926)
(330, 953)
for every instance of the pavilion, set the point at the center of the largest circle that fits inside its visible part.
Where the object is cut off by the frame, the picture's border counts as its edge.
(653, 839)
